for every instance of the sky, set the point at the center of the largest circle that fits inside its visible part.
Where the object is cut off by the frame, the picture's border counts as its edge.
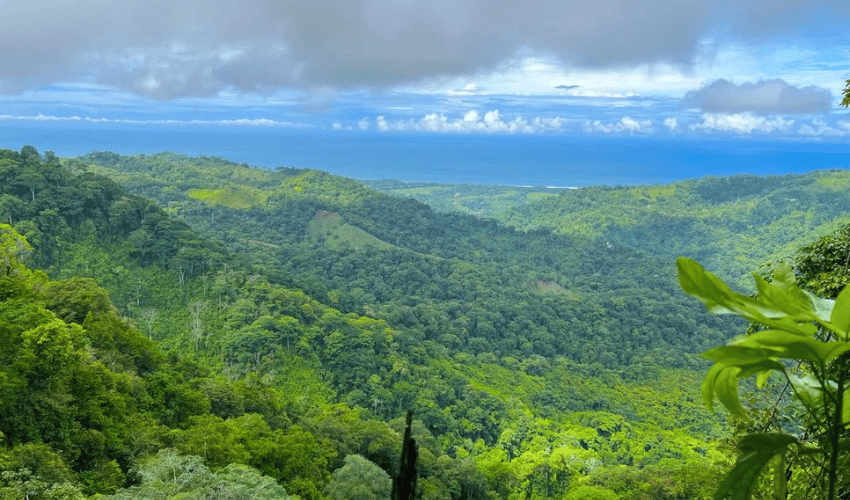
(660, 69)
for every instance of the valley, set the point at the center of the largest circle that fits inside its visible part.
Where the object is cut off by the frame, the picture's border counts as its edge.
(255, 328)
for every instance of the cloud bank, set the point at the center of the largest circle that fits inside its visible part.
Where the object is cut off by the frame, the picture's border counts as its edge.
(472, 121)
(174, 48)
(627, 125)
(764, 97)
(741, 123)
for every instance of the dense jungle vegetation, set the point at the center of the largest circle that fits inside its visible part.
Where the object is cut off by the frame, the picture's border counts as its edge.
(179, 327)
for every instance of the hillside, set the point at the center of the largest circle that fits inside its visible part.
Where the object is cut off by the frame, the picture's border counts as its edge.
(733, 224)
(533, 360)
(460, 281)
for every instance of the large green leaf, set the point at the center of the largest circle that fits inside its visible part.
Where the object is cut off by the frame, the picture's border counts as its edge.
(789, 325)
(797, 347)
(720, 299)
(716, 295)
(695, 281)
(722, 381)
(741, 354)
(823, 307)
(808, 389)
(760, 368)
(840, 317)
(783, 275)
(786, 297)
(756, 451)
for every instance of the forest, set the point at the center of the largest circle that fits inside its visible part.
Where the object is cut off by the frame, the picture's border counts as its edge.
(179, 327)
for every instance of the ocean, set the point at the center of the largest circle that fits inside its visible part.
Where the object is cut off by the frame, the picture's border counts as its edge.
(527, 160)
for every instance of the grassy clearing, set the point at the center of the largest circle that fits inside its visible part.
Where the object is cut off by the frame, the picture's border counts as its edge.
(238, 198)
(330, 228)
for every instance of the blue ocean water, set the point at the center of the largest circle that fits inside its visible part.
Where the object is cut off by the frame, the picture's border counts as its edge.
(548, 160)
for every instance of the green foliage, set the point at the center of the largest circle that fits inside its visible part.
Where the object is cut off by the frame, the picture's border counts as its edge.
(83, 395)
(804, 339)
(756, 219)
(14, 249)
(825, 264)
(670, 479)
(170, 475)
(39, 460)
(229, 197)
(410, 308)
(359, 479)
(534, 361)
(757, 450)
(591, 493)
(398, 242)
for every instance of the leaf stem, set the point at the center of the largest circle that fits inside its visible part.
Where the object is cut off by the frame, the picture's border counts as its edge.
(836, 431)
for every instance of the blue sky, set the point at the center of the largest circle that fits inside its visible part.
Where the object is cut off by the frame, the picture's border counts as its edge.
(654, 68)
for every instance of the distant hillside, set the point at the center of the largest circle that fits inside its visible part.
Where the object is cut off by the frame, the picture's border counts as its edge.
(473, 296)
(732, 224)
(291, 354)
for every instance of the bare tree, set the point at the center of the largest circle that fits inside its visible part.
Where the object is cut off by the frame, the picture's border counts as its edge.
(196, 324)
(148, 317)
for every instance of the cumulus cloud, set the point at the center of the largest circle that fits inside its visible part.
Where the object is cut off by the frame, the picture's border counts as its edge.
(471, 122)
(819, 128)
(763, 97)
(172, 48)
(741, 123)
(627, 124)
(672, 123)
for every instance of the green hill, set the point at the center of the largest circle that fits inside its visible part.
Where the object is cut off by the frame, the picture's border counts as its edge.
(306, 312)
(732, 224)
(473, 296)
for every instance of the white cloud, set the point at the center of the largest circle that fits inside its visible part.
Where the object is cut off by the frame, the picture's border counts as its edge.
(43, 118)
(819, 128)
(382, 124)
(472, 122)
(363, 123)
(543, 75)
(468, 89)
(627, 124)
(765, 97)
(803, 69)
(671, 123)
(741, 123)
